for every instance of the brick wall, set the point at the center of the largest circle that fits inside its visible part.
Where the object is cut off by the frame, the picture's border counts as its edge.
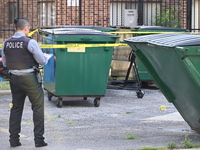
(93, 12)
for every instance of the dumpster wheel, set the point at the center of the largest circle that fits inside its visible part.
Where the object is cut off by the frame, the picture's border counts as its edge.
(59, 102)
(49, 96)
(140, 94)
(97, 101)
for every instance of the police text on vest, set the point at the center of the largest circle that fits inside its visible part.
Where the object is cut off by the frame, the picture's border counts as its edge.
(14, 44)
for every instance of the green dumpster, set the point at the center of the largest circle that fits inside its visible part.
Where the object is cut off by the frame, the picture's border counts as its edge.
(77, 71)
(173, 60)
(144, 75)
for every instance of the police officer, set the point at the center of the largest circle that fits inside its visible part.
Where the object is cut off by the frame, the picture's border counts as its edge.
(20, 55)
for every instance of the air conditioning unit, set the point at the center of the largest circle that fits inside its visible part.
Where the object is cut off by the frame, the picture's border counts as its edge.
(130, 19)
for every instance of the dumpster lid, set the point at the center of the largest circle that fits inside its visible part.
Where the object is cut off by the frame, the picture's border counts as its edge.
(84, 27)
(168, 39)
(157, 28)
(74, 31)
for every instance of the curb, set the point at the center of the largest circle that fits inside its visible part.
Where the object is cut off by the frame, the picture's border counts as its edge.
(189, 149)
(5, 92)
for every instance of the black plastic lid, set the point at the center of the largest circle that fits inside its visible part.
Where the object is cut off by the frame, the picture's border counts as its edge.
(74, 31)
(157, 28)
(168, 39)
(84, 27)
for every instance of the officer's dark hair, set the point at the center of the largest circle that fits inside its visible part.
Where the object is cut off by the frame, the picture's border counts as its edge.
(21, 23)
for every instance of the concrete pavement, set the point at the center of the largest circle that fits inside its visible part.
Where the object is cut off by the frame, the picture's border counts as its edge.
(78, 125)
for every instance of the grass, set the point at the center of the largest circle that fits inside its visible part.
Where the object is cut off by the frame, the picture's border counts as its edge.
(186, 144)
(171, 145)
(70, 122)
(4, 85)
(125, 112)
(51, 118)
(29, 121)
(148, 148)
(130, 137)
(129, 112)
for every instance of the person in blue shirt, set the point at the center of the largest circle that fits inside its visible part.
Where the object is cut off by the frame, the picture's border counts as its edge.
(22, 57)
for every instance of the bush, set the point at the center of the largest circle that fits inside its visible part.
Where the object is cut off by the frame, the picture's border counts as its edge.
(168, 18)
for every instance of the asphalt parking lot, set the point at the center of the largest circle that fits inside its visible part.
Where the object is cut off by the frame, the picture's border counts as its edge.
(78, 125)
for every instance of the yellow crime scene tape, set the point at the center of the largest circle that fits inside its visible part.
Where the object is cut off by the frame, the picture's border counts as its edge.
(79, 45)
(89, 45)
(74, 45)
(31, 33)
(121, 32)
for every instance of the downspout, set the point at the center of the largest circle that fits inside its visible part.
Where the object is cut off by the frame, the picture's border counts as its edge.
(80, 13)
(140, 12)
(189, 15)
(18, 8)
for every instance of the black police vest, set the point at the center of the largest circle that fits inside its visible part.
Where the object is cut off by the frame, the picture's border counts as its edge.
(17, 55)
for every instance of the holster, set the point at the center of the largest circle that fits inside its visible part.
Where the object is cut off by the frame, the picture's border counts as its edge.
(38, 74)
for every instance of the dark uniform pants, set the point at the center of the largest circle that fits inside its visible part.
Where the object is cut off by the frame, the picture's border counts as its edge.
(22, 86)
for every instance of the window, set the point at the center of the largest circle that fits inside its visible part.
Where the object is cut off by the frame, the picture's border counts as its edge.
(47, 14)
(121, 13)
(196, 15)
(12, 12)
(118, 12)
(150, 12)
(72, 2)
